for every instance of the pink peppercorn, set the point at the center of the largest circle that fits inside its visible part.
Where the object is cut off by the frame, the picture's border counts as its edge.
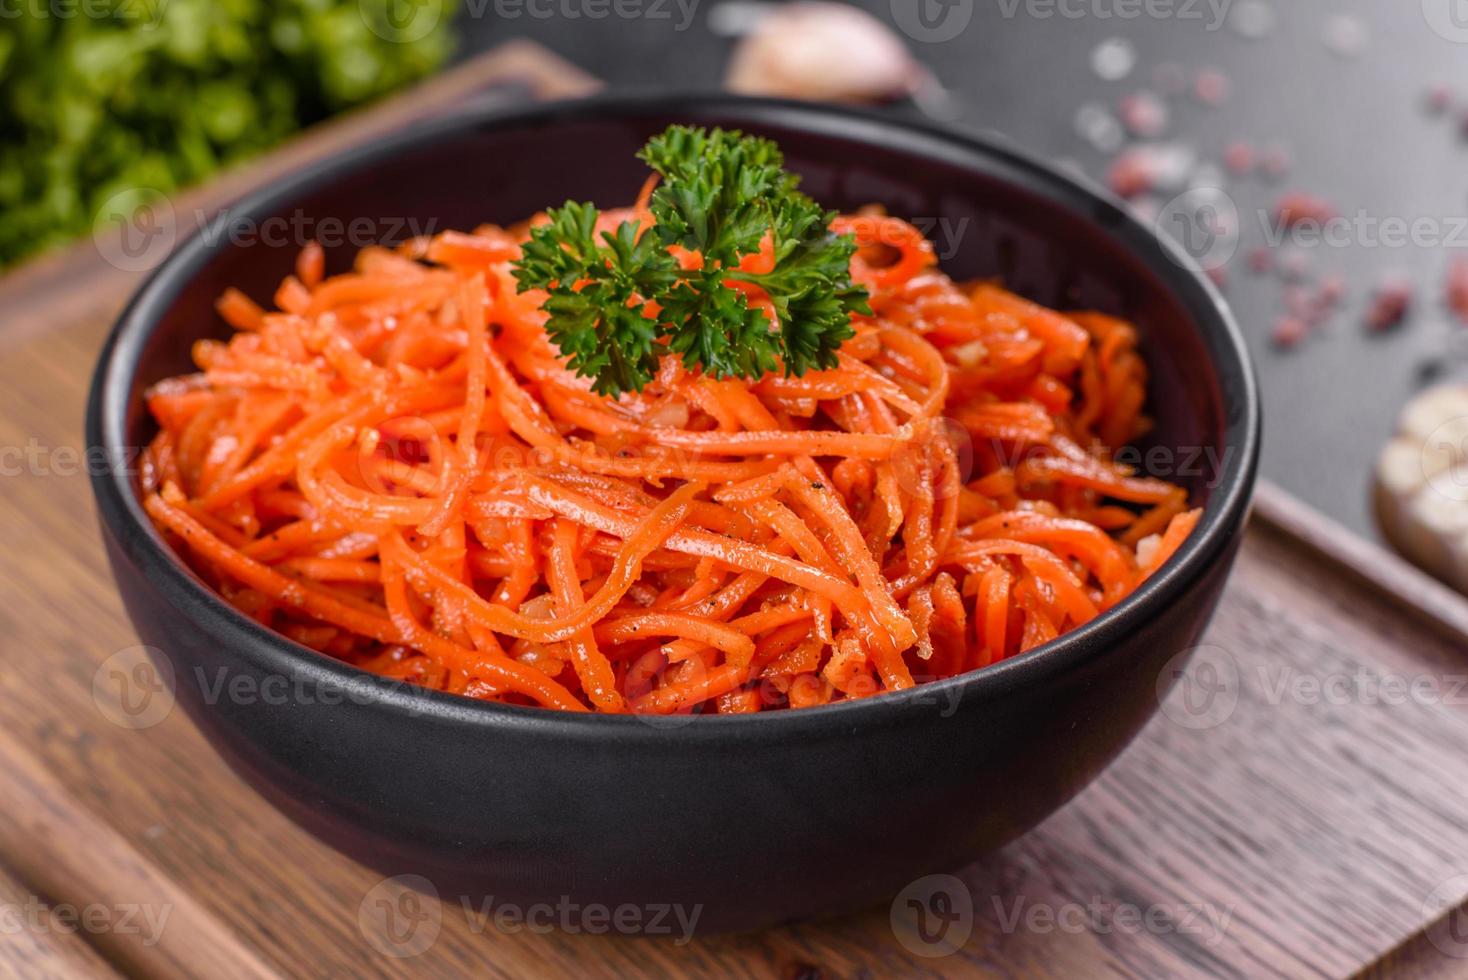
(1457, 288)
(1296, 208)
(1239, 158)
(1211, 87)
(1389, 305)
(1289, 331)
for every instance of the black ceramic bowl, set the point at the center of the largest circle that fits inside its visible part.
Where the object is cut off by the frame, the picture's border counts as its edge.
(759, 819)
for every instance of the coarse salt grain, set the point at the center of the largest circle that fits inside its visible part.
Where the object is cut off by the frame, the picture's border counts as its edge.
(1251, 18)
(1113, 59)
(1097, 126)
(1346, 35)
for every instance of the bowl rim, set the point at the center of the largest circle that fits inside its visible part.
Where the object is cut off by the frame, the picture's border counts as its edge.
(124, 519)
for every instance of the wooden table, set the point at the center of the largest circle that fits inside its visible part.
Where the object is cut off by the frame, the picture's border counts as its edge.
(1299, 807)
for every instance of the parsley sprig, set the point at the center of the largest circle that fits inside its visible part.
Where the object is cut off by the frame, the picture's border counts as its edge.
(721, 192)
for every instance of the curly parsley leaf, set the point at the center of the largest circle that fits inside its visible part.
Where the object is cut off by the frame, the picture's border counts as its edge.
(721, 195)
(598, 294)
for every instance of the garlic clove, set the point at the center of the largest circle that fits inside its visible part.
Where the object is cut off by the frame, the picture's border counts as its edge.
(1421, 484)
(1430, 410)
(824, 52)
(1400, 469)
(1458, 554)
(1147, 548)
(1435, 522)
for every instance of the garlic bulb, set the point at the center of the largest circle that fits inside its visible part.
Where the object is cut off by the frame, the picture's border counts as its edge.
(1422, 484)
(825, 52)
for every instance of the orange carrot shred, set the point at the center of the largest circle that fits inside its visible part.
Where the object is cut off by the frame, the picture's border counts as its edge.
(395, 466)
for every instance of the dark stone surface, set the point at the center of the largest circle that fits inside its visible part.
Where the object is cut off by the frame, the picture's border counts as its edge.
(1355, 127)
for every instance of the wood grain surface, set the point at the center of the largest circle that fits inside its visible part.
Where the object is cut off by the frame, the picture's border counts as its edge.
(39, 945)
(1299, 806)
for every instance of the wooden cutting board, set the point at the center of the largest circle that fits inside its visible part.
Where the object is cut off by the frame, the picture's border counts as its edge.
(1299, 806)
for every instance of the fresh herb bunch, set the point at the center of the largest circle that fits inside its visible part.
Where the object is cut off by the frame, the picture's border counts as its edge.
(721, 193)
(107, 104)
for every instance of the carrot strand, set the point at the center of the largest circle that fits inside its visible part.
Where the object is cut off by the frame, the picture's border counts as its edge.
(395, 466)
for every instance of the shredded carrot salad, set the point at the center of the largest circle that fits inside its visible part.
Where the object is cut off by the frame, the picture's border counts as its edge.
(396, 468)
